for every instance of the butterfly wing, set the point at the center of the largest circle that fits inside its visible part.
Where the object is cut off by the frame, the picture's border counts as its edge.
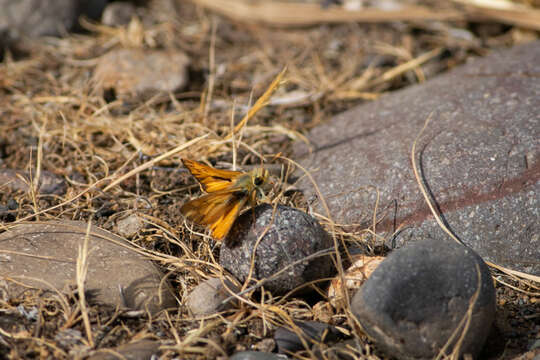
(221, 228)
(211, 179)
(217, 210)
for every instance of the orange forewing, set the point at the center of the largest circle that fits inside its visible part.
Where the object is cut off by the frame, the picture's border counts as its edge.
(211, 179)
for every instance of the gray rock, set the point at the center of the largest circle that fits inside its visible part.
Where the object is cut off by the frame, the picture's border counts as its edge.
(137, 72)
(129, 226)
(291, 236)
(69, 338)
(415, 299)
(8, 212)
(43, 255)
(265, 345)
(534, 344)
(207, 297)
(118, 13)
(18, 180)
(312, 332)
(480, 157)
(139, 350)
(256, 355)
(37, 18)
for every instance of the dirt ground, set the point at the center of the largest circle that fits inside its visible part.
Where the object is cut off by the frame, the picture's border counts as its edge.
(54, 118)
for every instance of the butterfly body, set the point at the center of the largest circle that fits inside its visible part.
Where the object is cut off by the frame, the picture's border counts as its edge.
(228, 192)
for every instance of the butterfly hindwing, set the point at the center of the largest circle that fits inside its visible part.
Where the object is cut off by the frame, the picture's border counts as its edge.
(217, 210)
(221, 228)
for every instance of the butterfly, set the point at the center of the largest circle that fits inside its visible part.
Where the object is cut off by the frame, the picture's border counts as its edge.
(227, 194)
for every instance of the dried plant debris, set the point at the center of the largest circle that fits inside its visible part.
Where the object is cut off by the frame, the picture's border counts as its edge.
(76, 145)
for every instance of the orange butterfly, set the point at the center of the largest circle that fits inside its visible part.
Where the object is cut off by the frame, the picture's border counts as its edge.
(228, 192)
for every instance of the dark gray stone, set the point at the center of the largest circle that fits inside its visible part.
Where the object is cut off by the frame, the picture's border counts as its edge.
(37, 17)
(8, 212)
(292, 235)
(257, 355)
(43, 255)
(139, 350)
(480, 157)
(312, 332)
(415, 299)
(118, 13)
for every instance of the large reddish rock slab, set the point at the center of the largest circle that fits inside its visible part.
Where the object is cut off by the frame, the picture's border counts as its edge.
(479, 157)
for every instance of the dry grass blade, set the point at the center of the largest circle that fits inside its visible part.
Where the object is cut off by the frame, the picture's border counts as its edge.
(154, 161)
(520, 274)
(24, 336)
(503, 11)
(422, 187)
(279, 13)
(260, 103)
(81, 271)
(464, 324)
(409, 65)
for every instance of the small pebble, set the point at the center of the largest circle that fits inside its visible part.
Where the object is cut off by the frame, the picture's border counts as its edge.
(312, 332)
(129, 226)
(207, 297)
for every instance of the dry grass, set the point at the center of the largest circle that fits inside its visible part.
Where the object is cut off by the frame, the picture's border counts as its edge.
(122, 157)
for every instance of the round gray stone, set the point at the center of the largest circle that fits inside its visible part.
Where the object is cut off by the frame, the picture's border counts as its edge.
(291, 235)
(415, 299)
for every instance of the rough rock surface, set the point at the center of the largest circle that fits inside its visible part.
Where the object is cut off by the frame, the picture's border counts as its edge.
(416, 298)
(291, 235)
(44, 254)
(480, 158)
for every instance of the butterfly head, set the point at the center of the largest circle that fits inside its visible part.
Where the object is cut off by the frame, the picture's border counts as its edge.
(260, 181)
